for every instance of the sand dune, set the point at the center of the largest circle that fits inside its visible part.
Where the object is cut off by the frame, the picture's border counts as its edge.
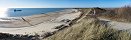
(118, 25)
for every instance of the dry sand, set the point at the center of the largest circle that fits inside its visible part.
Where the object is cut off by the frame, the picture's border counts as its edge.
(118, 25)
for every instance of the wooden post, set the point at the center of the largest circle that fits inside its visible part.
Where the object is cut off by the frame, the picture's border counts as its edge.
(27, 21)
(94, 13)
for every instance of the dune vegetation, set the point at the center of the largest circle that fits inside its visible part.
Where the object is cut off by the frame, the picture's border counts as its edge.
(122, 14)
(90, 28)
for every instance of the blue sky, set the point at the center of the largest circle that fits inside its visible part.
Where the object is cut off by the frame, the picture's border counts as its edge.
(62, 3)
(5, 4)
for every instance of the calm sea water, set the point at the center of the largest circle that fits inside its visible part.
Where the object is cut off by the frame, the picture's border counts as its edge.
(18, 12)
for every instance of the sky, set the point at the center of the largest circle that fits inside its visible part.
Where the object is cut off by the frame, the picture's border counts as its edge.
(62, 3)
(5, 4)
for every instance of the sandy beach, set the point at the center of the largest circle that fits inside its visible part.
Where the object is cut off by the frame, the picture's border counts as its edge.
(39, 24)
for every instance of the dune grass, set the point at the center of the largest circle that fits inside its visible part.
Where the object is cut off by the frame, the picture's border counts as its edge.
(122, 14)
(90, 28)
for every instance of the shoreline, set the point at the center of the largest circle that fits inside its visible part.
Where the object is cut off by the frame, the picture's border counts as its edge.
(44, 27)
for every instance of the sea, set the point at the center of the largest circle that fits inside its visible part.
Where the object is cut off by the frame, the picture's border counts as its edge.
(19, 12)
